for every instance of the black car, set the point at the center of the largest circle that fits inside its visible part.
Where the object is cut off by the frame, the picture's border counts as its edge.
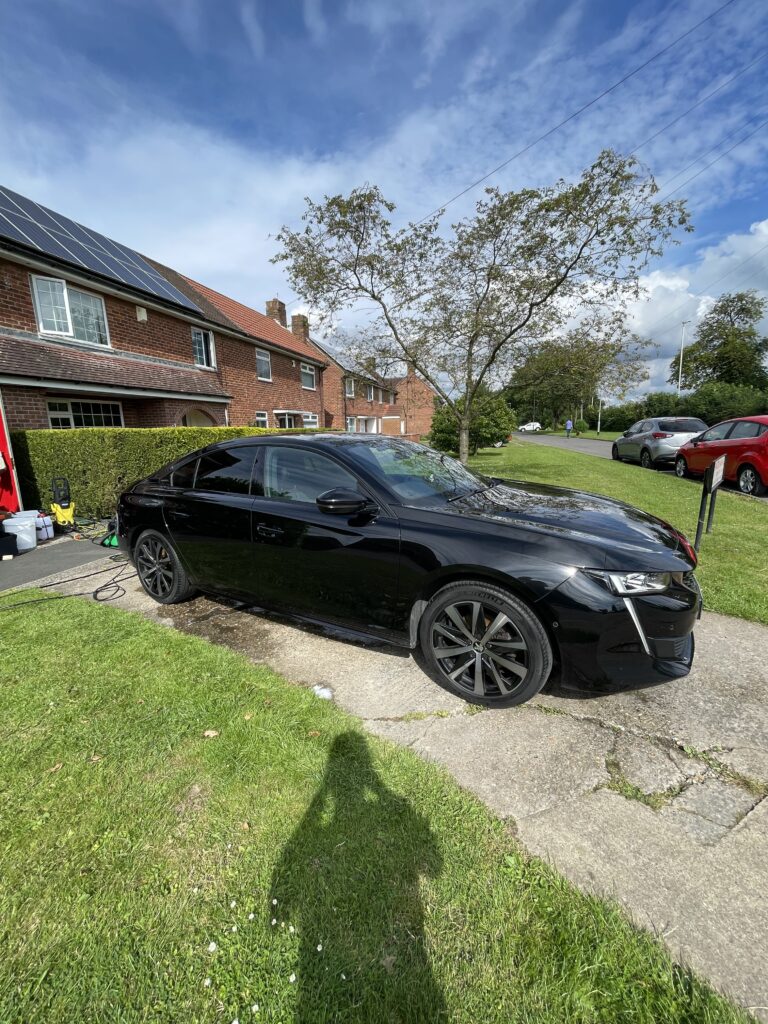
(501, 584)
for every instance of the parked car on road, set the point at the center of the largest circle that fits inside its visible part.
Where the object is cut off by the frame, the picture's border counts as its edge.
(530, 428)
(654, 442)
(497, 583)
(743, 441)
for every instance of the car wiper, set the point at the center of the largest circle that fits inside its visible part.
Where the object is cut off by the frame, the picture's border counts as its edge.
(471, 494)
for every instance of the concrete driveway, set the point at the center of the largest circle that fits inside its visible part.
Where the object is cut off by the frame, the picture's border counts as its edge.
(654, 797)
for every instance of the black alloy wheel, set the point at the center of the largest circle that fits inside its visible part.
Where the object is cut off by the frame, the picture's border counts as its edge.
(159, 570)
(485, 645)
(681, 467)
(615, 453)
(645, 459)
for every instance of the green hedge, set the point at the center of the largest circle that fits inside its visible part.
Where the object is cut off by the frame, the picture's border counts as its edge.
(101, 462)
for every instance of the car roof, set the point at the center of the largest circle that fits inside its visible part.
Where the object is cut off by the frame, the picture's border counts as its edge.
(745, 419)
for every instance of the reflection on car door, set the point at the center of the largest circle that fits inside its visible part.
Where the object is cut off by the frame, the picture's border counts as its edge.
(629, 446)
(711, 445)
(210, 521)
(739, 441)
(335, 567)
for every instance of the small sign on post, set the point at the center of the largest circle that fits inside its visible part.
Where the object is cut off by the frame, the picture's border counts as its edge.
(712, 480)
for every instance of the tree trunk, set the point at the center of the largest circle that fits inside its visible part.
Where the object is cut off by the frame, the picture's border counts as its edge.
(463, 443)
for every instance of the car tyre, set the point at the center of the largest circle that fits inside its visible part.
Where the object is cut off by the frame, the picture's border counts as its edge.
(159, 569)
(681, 467)
(646, 459)
(483, 644)
(749, 481)
(615, 453)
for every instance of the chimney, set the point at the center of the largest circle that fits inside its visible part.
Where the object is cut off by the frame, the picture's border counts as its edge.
(300, 326)
(276, 310)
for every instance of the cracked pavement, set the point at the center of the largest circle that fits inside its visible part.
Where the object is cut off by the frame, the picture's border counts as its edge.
(654, 797)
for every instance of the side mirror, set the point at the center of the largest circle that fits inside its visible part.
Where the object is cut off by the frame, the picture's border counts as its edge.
(342, 502)
(625, 434)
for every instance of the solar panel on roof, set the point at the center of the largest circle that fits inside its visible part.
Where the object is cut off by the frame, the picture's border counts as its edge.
(28, 223)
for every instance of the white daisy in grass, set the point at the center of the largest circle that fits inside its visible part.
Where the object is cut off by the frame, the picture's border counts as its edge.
(212, 947)
(207, 983)
(251, 917)
(234, 927)
(274, 921)
(320, 947)
(292, 978)
(233, 904)
(255, 1008)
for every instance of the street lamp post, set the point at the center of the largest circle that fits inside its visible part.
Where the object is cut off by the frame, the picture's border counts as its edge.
(682, 346)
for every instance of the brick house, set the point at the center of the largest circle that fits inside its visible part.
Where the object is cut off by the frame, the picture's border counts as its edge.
(417, 402)
(87, 347)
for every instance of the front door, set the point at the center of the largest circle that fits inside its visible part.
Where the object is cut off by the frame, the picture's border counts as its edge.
(711, 445)
(210, 521)
(339, 568)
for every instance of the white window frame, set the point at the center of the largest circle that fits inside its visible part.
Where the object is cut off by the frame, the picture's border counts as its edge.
(381, 395)
(259, 415)
(349, 387)
(369, 392)
(268, 355)
(311, 416)
(211, 348)
(68, 402)
(308, 368)
(71, 332)
(351, 425)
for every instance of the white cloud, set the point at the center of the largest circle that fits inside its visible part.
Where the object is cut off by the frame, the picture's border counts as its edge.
(314, 20)
(254, 33)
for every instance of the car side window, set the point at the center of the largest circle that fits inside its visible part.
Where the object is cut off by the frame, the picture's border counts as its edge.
(716, 433)
(645, 426)
(746, 429)
(184, 476)
(295, 474)
(228, 470)
(635, 428)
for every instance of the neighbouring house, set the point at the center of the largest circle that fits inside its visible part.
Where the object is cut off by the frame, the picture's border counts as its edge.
(417, 401)
(94, 334)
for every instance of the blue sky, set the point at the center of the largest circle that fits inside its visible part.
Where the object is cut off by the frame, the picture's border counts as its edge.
(192, 129)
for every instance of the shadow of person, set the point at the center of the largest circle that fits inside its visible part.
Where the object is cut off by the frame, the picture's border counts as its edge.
(348, 881)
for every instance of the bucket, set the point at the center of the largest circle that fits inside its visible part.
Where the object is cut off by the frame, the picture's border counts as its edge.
(24, 529)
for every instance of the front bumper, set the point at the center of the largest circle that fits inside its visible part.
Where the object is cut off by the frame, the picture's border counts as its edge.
(608, 643)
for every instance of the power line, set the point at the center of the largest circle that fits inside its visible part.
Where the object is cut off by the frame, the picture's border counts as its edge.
(703, 100)
(711, 149)
(580, 110)
(712, 162)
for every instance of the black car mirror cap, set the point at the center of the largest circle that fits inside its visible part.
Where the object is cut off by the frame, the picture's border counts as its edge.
(626, 433)
(342, 501)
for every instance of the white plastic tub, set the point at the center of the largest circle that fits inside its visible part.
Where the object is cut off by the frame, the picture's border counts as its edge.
(24, 529)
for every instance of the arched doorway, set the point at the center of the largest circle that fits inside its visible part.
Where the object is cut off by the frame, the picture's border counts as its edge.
(197, 418)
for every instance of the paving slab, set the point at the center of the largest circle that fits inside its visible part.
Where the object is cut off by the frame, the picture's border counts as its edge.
(695, 872)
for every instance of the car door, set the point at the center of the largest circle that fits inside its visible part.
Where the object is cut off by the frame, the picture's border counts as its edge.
(711, 444)
(210, 520)
(338, 568)
(628, 445)
(739, 444)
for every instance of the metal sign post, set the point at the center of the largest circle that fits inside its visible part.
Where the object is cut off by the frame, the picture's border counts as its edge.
(712, 480)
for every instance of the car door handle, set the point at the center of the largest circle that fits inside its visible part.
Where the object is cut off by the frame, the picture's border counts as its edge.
(269, 531)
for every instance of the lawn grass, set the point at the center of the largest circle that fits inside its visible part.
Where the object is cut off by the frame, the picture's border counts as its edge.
(733, 566)
(130, 844)
(604, 435)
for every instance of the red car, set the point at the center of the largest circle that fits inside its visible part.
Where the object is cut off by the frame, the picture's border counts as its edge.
(743, 441)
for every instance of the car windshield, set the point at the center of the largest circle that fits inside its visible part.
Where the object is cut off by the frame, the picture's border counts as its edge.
(416, 474)
(682, 426)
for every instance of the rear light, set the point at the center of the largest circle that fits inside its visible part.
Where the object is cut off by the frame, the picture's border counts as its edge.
(658, 435)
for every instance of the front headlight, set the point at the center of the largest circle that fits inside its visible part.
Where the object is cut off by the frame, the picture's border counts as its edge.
(633, 584)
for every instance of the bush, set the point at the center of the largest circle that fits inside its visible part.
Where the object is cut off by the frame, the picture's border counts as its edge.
(580, 426)
(101, 462)
(493, 421)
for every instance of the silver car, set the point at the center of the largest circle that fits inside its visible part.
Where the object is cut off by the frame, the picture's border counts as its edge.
(654, 442)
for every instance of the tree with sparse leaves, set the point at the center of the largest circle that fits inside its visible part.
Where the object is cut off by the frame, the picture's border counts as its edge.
(728, 348)
(462, 307)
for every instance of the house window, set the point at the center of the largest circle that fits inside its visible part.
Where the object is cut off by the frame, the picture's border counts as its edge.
(381, 396)
(202, 346)
(261, 419)
(63, 415)
(285, 420)
(64, 310)
(307, 377)
(351, 424)
(391, 397)
(310, 420)
(369, 392)
(349, 387)
(263, 364)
